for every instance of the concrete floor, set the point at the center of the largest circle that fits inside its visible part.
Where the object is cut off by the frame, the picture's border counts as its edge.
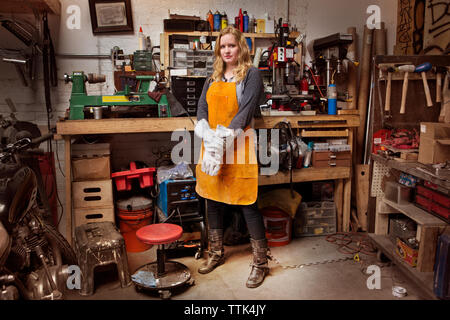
(342, 280)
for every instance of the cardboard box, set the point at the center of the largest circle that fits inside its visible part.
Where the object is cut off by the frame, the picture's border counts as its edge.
(91, 169)
(434, 142)
(408, 254)
(91, 162)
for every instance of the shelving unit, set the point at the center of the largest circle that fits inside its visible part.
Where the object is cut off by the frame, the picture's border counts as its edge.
(429, 227)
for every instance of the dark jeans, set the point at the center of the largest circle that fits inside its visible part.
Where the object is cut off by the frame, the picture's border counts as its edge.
(253, 218)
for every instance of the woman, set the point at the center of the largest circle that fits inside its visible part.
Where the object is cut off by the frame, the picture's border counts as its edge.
(226, 108)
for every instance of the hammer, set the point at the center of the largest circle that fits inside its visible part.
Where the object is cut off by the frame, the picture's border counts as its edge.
(422, 69)
(389, 70)
(439, 71)
(406, 69)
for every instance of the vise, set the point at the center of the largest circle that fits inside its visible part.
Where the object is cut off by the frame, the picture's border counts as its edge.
(126, 99)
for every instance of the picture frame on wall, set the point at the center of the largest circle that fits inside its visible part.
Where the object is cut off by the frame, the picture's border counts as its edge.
(108, 16)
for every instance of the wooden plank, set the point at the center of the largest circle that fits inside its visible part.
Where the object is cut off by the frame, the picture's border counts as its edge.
(325, 133)
(346, 207)
(362, 193)
(418, 215)
(306, 174)
(317, 121)
(435, 31)
(216, 34)
(107, 126)
(68, 178)
(381, 220)
(427, 248)
(338, 194)
(410, 24)
(424, 280)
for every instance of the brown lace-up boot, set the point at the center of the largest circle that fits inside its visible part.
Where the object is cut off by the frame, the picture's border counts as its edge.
(216, 253)
(260, 265)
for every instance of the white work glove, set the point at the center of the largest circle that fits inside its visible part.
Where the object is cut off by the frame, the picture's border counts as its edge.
(210, 141)
(211, 161)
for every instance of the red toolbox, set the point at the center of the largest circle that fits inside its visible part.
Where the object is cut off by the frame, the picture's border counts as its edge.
(123, 178)
(434, 202)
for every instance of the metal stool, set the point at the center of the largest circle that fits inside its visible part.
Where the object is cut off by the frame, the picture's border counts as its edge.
(161, 275)
(98, 244)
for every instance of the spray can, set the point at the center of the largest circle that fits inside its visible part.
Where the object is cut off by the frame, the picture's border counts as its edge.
(217, 21)
(210, 19)
(245, 22)
(332, 98)
(224, 21)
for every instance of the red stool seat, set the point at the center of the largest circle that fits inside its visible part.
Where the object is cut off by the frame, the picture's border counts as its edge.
(160, 233)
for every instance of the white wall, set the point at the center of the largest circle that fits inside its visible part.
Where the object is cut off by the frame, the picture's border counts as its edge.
(316, 18)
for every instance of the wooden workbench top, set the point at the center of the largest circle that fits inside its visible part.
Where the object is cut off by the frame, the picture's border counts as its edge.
(142, 125)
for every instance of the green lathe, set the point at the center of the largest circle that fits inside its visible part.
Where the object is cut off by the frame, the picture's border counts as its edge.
(128, 100)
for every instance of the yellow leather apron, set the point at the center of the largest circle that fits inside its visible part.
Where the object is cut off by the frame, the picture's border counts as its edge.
(236, 183)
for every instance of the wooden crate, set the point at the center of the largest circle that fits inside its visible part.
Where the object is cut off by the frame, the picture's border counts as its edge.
(87, 215)
(93, 194)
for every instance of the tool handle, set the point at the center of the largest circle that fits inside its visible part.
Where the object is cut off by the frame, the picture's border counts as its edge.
(387, 106)
(427, 89)
(404, 92)
(438, 86)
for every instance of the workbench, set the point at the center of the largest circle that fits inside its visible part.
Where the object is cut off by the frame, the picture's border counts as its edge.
(312, 126)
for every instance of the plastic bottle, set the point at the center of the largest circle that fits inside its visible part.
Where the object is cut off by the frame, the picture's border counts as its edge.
(224, 21)
(251, 24)
(217, 21)
(246, 21)
(308, 154)
(141, 39)
(210, 19)
(332, 98)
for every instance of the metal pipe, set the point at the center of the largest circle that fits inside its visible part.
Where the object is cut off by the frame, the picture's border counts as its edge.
(83, 56)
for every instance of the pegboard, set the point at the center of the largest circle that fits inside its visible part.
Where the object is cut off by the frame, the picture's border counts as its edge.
(379, 171)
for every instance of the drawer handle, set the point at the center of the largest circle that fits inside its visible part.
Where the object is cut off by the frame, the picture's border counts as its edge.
(191, 96)
(332, 164)
(332, 156)
(191, 83)
(191, 103)
(190, 89)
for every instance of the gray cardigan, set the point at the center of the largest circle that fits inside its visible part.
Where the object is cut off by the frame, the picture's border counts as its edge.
(250, 95)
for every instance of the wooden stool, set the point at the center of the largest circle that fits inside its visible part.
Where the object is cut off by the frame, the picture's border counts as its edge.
(161, 275)
(98, 244)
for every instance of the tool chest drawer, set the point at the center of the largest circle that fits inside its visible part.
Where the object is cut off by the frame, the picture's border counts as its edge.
(331, 159)
(182, 86)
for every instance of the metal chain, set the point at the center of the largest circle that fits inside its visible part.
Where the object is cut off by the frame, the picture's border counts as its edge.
(296, 266)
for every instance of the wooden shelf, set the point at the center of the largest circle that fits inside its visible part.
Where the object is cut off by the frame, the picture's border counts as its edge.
(412, 169)
(420, 216)
(21, 6)
(142, 125)
(423, 279)
(305, 175)
(216, 33)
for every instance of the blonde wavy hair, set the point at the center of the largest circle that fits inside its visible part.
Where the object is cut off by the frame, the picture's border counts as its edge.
(244, 60)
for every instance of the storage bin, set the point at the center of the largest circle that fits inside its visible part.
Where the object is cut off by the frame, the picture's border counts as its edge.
(315, 218)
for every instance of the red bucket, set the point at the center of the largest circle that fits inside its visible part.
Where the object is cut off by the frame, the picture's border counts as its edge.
(278, 226)
(129, 223)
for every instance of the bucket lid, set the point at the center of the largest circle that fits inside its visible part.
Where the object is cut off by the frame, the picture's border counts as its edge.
(134, 203)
